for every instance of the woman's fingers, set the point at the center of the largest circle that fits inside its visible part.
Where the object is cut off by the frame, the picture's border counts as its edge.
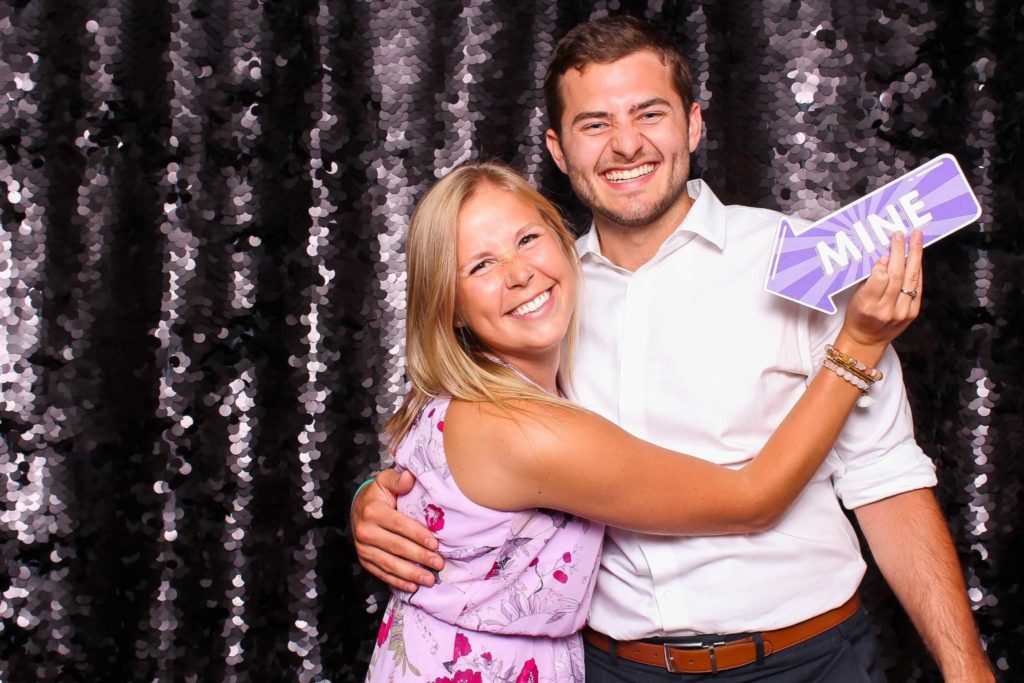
(878, 279)
(889, 299)
(912, 272)
(910, 286)
(896, 267)
(915, 306)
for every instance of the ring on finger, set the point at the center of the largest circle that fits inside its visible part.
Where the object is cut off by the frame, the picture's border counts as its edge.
(912, 294)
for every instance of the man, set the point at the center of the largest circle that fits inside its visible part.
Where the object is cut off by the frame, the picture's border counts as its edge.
(681, 346)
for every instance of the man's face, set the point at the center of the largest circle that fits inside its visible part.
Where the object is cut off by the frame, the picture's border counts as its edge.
(626, 139)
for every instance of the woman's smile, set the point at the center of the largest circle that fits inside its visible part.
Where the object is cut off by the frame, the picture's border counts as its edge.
(534, 308)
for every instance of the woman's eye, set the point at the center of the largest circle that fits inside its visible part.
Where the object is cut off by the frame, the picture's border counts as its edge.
(528, 238)
(479, 266)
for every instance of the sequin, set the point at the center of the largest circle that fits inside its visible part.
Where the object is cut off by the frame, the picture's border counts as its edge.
(202, 288)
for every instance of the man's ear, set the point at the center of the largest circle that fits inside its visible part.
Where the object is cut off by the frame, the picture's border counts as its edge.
(695, 125)
(555, 149)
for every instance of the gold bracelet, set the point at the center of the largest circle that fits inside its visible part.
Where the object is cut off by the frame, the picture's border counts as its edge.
(843, 360)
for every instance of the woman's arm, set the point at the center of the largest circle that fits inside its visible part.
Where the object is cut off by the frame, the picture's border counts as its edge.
(536, 456)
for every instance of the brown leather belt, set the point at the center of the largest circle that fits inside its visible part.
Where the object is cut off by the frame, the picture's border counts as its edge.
(701, 657)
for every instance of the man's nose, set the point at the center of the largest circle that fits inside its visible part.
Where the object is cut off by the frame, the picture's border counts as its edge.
(627, 141)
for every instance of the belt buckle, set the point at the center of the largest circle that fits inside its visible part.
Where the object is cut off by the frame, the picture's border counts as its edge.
(710, 647)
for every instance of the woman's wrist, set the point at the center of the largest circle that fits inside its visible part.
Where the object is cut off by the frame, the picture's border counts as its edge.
(868, 353)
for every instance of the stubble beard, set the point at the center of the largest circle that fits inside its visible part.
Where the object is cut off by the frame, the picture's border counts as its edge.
(638, 213)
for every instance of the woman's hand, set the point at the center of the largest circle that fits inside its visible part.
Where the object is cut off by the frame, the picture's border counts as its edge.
(889, 300)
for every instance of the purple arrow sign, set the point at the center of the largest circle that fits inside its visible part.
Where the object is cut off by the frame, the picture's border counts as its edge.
(810, 265)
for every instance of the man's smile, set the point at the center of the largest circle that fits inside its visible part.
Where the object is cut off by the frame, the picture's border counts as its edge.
(626, 175)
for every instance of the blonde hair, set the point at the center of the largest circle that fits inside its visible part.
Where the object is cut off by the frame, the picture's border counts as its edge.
(441, 358)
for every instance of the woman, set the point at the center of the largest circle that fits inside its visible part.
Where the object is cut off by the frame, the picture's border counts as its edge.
(495, 449)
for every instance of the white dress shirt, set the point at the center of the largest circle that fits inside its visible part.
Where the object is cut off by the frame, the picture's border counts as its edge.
(689, 352)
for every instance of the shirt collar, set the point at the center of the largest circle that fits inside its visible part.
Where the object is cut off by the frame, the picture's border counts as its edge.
(705, 219)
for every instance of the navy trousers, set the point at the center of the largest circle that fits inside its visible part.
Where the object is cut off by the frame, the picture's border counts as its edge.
(847, 653)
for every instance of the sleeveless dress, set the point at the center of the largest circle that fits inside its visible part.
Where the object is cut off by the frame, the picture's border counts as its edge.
(513, 594)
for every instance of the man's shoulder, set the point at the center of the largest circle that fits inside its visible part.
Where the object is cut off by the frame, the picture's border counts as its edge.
(742, 217)
(738, 221)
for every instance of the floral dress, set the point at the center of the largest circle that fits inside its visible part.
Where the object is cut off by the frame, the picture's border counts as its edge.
(512, 596)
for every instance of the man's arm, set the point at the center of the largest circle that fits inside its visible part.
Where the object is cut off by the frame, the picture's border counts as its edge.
(912, 546)
(390, 545)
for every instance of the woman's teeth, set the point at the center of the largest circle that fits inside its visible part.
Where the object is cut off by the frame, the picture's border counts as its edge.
(631, 174)
(534, 304)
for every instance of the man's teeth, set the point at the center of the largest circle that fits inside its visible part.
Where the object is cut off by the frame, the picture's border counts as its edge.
(531, 306)
(631, 174)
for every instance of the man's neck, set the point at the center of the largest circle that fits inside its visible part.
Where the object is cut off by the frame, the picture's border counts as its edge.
(630, 247)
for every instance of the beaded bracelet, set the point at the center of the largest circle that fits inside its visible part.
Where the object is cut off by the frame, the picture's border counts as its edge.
(853, 371)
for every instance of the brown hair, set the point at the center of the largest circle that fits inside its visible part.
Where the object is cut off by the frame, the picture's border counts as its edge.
(441, 358)
(606, 40)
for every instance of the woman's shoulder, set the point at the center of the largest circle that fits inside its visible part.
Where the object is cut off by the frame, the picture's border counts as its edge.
(514, 419)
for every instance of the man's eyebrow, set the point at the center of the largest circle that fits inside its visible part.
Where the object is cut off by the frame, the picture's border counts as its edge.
(654, 101)
(650, 103)
(589, 115)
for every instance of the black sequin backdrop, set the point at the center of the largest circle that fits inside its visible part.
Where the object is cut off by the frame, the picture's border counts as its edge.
(202, 288)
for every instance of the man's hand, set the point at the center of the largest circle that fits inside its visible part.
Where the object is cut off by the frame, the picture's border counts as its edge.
(390, 545)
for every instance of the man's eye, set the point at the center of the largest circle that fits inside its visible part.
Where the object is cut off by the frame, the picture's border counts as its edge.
(597, 125)
(651, 115)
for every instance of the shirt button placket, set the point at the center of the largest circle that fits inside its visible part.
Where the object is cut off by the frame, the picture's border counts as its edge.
(632, 363)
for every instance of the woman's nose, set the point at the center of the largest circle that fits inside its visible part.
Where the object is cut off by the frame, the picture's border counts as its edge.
(518, 271)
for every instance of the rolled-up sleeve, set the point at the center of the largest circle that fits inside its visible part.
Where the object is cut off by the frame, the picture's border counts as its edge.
(876, 456)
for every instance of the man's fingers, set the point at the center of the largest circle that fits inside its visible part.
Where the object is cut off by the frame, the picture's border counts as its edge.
(415, 532)
(390, 579)
(406, 480)
(382, 527)
(394, 482)
(396, 566)
(412, 550)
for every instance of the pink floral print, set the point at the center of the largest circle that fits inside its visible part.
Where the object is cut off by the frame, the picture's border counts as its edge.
(462, 647)
(512, 596)
(385, 628)
(529, 674)
(434, 517)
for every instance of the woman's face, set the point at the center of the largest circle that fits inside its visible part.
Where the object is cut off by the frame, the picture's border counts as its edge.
(516, 289)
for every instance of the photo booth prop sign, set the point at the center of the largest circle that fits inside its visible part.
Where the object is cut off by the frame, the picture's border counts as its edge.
(811, 264)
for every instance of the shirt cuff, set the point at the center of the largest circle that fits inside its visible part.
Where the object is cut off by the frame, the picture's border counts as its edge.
(904, 468)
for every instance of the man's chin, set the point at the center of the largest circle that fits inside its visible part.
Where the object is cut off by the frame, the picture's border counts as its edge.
(637, 217)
